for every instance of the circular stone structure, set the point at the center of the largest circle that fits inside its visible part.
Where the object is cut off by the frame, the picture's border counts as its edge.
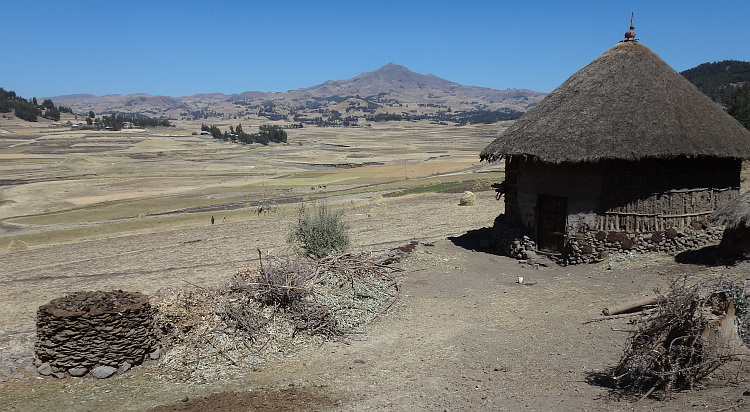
(84, 330)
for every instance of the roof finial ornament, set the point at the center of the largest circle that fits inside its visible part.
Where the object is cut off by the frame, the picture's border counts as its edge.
(630, 34)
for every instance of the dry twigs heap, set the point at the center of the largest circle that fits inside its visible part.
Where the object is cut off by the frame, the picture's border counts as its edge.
(693, 332)
(265, 313)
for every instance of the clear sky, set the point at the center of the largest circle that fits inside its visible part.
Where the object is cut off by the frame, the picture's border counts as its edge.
(179, 48)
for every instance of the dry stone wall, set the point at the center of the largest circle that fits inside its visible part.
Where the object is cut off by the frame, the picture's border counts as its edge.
(591, 246)
(96, 332)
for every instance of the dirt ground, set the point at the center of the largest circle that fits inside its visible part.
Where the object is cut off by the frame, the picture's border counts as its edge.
(134, 214)
(465, 335)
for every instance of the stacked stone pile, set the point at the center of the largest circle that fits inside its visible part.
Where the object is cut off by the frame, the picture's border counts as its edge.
(94, 332)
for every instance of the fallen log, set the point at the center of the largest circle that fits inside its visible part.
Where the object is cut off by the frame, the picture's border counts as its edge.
(618, 316)
(631, 306)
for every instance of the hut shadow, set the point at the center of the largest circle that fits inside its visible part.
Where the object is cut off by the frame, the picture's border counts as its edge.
(707, 256)
(478, 240)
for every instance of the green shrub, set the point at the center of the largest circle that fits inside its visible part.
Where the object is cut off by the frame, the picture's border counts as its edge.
(320, 231)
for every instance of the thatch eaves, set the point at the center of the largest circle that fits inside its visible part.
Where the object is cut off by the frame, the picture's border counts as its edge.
(627, 104)
(733, 214)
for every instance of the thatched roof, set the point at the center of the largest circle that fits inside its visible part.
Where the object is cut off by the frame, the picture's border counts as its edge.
(733, 214)
(627, 104)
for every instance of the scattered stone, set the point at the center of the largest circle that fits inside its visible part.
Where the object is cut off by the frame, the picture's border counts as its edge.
(103, 372)
(78, 371)
(155, 355)
(124, 367)
(45, 369)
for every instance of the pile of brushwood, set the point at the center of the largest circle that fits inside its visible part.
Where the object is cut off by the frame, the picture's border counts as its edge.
(268, 312)
(691, 333)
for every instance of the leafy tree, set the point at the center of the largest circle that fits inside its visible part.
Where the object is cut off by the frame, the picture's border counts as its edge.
(738, 105)
(46, 104)
(52, 113)
(26, 110)
(92, 114)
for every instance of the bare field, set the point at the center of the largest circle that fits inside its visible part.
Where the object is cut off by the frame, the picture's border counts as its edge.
(464, 335)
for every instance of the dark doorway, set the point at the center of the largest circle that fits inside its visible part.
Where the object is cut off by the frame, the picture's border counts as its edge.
(553, 213)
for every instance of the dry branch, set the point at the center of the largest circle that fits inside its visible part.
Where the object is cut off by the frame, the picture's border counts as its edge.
(632, 305)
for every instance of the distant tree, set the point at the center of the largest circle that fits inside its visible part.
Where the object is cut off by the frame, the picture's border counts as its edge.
(47, 104)
(52, 113)
(26, 110)
(739, 104)
(92, 114)
(33, 100)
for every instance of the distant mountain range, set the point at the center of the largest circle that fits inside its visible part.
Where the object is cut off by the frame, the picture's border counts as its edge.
(390, 90)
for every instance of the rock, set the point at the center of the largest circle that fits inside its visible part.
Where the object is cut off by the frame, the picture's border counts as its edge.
(59, 375)
(124, 367)
(468, 199)
(155, 354)
(103, 372)
(78, 371)
(44, 369)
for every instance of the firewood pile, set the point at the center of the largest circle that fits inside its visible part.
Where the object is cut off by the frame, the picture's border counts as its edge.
(268, 312)
(683, 337)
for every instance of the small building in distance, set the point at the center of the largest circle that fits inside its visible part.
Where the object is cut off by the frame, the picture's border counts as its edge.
(625, 156)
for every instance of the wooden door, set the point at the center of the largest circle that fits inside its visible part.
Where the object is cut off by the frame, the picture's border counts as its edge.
(551, 220)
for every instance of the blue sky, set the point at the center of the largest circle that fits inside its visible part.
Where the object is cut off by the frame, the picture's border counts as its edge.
(179, 48)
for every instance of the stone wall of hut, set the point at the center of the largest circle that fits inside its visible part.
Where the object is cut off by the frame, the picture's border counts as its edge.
(599, 245)
(594, 246)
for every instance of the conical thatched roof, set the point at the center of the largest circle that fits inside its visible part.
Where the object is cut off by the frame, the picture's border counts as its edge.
(733, 214)
(627, 104)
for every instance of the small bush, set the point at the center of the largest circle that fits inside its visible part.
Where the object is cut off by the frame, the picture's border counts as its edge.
(320, 231)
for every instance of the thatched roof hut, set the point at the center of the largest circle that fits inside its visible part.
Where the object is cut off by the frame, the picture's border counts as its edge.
(623, 149)
(627, 104)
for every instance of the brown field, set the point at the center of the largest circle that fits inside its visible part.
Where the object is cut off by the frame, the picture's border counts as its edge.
(131, 210)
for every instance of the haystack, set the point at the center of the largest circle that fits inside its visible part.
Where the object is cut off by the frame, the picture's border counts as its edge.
(468, 199)
(735, 216)
(17, 245)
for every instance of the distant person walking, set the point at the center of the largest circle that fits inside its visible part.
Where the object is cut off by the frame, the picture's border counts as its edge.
(212, 220)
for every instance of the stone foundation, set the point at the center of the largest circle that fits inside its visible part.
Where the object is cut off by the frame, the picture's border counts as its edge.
(515, 242)
(84, 331)
(592, 246)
